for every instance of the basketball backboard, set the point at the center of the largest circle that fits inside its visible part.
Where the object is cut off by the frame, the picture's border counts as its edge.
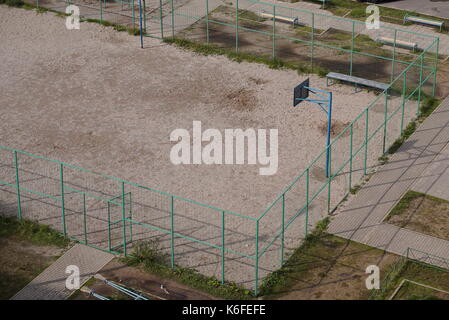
(301, 92)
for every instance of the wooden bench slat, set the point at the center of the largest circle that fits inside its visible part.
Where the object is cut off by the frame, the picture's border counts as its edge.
(279, 17)
(429, 22)
(357, 80)
(424, 20)
(399, 43)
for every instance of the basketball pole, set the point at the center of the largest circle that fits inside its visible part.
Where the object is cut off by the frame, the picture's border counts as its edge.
(325, 103)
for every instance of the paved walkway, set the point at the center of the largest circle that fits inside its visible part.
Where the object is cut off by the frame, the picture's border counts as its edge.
(50, 284)
(421, 163)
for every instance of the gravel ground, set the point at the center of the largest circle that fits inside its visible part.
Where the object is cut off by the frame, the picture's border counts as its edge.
(93, 98)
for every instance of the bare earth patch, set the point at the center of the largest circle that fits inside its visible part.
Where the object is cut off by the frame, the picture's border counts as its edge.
(21, 262)
(422, 213)
(143, 282)
(332, 268)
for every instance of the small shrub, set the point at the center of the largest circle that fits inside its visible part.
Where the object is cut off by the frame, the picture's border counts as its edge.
(383, 159)
(119, 28)
(355, 189)
(147, 252)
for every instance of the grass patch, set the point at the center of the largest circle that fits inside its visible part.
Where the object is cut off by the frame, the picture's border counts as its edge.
(117, 27)
(281, 280)
(404, 204)
(209, 49)
(148, 256)
(413, 291)
(31, 231)
(415, 271)
(26, 249)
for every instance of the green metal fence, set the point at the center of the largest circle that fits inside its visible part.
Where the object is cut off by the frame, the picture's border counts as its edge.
(111, 214)
(394, 273)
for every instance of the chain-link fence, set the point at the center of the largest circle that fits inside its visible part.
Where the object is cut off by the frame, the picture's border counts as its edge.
(113, 214)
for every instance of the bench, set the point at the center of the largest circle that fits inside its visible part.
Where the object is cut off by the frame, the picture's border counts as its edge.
(291, 20)
(356, 81)
(399, 43)
(429, 22)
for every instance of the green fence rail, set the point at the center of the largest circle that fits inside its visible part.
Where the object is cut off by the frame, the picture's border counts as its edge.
(111, 214)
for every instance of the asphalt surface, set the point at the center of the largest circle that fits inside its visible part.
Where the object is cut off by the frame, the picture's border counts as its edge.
(437, 8)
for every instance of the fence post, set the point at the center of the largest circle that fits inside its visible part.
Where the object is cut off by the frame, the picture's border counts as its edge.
(172, 232)
(142, 26)
(352, 47)
(109, 226)
(435, 68)
(124, 219)
(404, 89)
(312, 41)
(61, 180)
(329, 179)
(237, 26)
(131, 218)
(222, 247)
(19, 203)
(207, 21)
(133, 15)
(283, 229)
(366, 141)
(273, 54)
(84, 218)
(101, 11)
(173, 20)
(350, 153)
(143, 13)
(256, 271)
(420, 86)
(160, 18)
(385, 122)
(394, 56)
(307, 201)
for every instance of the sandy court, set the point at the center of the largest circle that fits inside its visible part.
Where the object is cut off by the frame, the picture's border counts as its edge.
(94, 99)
